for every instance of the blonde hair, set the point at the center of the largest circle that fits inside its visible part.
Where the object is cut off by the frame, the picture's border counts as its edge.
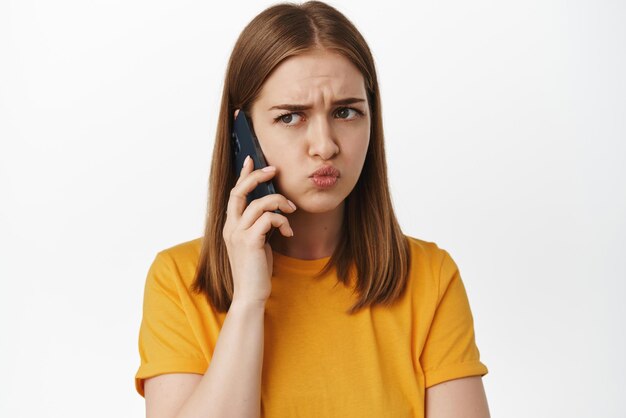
(372, 246)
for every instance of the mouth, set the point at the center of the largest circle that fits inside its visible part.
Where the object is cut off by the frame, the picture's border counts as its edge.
(324, 182)
(326, 171)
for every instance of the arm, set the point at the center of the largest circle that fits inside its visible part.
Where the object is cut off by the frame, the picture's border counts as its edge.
(231, 386)
(457, 398)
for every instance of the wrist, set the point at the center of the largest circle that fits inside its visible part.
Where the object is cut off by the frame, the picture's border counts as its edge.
(246, 303)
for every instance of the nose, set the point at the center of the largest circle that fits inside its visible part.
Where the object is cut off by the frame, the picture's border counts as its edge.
(322, 141)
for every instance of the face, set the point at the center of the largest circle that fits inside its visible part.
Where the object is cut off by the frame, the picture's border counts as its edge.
(319, 131)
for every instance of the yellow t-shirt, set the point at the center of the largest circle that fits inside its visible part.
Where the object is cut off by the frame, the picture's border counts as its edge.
(318, 360)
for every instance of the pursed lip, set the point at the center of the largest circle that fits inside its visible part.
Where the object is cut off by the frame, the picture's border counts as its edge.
(326, 171)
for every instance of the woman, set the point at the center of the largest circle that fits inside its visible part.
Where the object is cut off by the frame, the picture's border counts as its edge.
(339, 314)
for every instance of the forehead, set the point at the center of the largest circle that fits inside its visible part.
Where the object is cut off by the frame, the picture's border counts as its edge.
(300, 78)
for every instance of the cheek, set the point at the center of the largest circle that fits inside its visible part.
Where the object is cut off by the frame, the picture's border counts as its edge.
(355, 153)
(285, 159)
(279, 155)
(275, 147)
(270, 151)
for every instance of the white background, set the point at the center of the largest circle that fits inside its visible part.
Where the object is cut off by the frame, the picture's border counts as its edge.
(505, 131)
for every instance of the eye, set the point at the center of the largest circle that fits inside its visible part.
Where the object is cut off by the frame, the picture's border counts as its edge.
(356, 111)
(285, 118)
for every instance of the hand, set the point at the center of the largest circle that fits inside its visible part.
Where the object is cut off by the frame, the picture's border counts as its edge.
(245, 232)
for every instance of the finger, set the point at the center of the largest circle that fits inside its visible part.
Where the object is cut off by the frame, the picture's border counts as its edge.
(238, 200)
(269, 203)
(268, 220)
(253, 179)
(248, 164)
(247, 168)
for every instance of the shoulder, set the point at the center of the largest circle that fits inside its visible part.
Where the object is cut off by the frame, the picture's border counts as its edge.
(184, 251)
(426, 253)
(180, 260)
(431, 266)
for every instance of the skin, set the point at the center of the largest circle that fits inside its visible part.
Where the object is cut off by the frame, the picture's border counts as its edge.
(456, 398)
(320, 135)
(329, 134)
(300, 143)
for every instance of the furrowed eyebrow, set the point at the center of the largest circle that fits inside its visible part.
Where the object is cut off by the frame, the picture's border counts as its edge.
(299, 107)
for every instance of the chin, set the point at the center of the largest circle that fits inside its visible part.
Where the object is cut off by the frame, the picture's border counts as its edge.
(318, 204)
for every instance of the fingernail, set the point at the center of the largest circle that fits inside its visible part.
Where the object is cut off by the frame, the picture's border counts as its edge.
(246, 160)
(269, 168)
(291, 204)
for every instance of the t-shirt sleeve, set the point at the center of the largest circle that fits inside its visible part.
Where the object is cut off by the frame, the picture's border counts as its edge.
(166, 341)
(450, 350)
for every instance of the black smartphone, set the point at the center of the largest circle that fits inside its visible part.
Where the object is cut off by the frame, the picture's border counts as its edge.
(244, 143)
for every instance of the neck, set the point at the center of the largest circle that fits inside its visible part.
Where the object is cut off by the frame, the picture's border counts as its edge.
(316, 235)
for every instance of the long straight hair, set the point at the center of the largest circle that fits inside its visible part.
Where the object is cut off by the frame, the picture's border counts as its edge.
(372, 249)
